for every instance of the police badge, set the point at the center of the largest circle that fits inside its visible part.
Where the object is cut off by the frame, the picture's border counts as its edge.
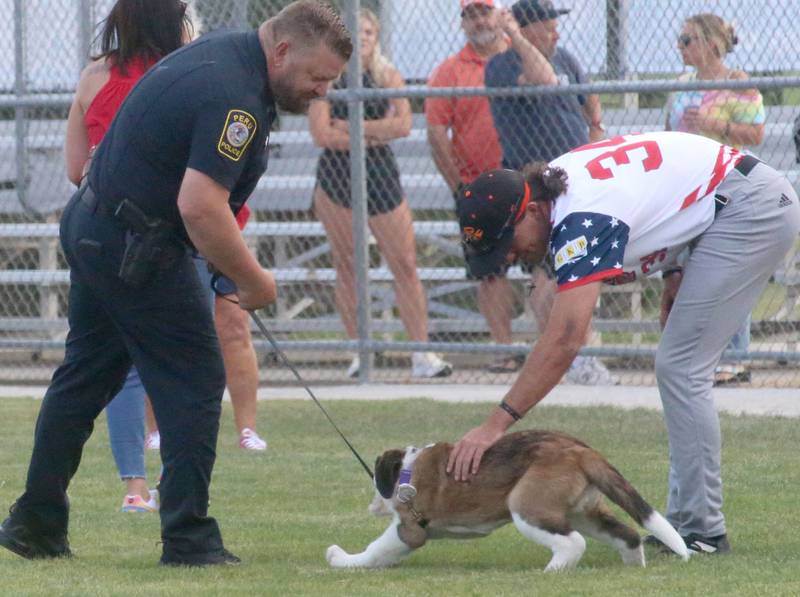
(240, 128)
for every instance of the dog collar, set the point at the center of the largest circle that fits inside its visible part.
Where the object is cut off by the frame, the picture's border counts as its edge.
(405, 490)
(406, 493)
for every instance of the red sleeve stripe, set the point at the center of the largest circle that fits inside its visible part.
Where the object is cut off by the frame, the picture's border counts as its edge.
(722, 167)
(595, 277)
(717, 176)
(690, 198)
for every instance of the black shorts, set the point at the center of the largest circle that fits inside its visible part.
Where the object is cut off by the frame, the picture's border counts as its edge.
(384, 191)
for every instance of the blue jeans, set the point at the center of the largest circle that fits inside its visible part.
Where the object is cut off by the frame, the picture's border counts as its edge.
(125, 418)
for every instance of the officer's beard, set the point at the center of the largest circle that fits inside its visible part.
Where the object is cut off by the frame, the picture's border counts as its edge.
(287, 98)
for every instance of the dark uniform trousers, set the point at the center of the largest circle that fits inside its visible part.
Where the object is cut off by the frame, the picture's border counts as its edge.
(166, 329)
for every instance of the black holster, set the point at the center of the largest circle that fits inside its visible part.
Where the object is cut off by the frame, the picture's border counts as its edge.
(150, 245)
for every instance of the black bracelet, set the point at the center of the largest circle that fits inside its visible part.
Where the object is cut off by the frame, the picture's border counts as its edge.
(510, 410)
(673, 270)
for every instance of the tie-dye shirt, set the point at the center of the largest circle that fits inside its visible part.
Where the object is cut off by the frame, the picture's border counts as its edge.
(744, 106)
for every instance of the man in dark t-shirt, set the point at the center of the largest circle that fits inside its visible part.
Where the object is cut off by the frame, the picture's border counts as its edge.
(184, 152)
(543, 127)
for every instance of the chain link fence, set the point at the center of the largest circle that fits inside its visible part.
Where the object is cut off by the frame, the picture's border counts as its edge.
(626, 53)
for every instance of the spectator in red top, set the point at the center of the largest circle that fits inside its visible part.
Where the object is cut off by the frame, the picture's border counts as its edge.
(464, 144)
(135, 36)
(241, 364)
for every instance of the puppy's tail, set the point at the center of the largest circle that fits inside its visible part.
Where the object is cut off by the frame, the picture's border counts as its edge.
(616, 488)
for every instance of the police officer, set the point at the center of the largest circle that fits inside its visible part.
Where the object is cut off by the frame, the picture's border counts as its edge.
(183, 154)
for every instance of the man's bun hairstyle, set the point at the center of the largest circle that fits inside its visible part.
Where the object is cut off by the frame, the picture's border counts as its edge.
(547, 182)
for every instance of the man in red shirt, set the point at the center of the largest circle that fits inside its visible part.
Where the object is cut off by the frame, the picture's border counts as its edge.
(464, 143)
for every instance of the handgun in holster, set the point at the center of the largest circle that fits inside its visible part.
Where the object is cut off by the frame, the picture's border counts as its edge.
(150, 245)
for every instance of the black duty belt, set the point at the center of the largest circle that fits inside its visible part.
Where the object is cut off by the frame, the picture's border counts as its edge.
(151, 244)
(744, 166)
(125, 213)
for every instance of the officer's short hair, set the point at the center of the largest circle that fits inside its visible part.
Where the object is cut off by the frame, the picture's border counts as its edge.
(311, 20)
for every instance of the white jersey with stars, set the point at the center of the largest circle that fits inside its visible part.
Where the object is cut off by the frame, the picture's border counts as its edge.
(633, 203)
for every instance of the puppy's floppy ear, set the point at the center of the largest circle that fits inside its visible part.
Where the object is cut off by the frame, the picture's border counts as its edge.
(387, 470)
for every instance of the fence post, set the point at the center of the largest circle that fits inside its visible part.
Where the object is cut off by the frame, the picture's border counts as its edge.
(85, 27)
(48, 260)
(385, 18)
(239, 14)
(20, 113)
(358, 199)
(616, 47)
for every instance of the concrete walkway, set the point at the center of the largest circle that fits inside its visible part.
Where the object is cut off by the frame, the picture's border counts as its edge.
(751, 401)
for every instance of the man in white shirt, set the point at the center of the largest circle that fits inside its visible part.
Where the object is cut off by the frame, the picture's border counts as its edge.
(622, 208)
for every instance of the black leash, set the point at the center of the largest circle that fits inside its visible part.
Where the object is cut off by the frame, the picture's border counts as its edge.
(215, 280)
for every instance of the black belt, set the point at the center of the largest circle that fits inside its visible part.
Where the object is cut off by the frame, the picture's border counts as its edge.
(125, 214)
(744, 166)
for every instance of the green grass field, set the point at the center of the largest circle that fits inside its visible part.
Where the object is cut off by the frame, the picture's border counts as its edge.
(280, 511)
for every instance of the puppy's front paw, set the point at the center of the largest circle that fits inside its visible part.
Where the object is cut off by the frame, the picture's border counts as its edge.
(378, 507)
(336, 556)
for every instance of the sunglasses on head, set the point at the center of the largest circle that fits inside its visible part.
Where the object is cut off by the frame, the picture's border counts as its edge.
(685, 40)
(474, 246)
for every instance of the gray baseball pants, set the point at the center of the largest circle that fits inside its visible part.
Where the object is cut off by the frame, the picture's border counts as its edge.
(728, 268)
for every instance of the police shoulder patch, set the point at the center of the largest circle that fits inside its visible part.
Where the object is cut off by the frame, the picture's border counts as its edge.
(240, 128)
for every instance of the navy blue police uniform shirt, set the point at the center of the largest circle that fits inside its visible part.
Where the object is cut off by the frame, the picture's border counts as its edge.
(207, 106)
(536, 128)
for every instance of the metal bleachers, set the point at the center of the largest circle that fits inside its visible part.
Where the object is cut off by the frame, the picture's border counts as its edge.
(282, 202)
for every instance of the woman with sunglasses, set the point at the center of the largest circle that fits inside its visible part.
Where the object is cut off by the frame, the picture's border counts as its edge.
(734, 117)
(731, 116)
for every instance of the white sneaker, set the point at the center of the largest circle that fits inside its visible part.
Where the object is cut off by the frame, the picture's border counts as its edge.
(589, 371)
(249, 440)
(428, 365)
(604, 377)
(136, 503)
(355, 365)
(153, 441)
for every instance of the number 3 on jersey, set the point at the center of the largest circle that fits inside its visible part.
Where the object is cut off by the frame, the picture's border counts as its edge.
(599, 166)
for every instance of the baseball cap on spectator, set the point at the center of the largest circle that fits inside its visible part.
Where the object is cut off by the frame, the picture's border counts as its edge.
(466, 3)
(533, 11)
(488, 209)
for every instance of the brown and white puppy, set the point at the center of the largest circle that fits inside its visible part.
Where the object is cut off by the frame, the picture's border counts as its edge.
(549, 484)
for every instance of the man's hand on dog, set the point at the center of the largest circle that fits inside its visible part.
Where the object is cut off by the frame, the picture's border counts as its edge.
(467, 453)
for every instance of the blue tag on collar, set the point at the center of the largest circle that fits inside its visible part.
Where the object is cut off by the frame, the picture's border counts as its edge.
(405, 476)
